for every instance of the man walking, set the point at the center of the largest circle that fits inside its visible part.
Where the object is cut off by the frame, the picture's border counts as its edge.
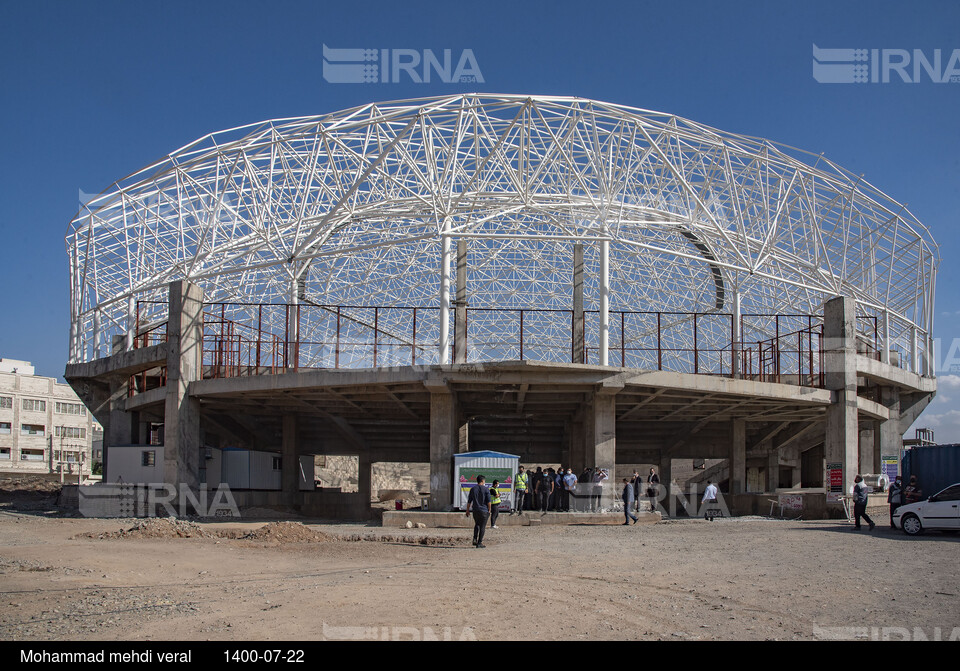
(860, 503)
(628, 503)
(479, 500)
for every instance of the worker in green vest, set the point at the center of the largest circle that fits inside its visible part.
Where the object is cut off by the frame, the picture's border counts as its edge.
(522, 488)
(494, 503)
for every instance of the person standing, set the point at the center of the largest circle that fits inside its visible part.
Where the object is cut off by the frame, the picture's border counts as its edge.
(637, 484)
(479, 501)
(628, 494)
(532, 502)
(494, 503)
(913, 493)
(523, 487)
(569, 490)
(599, 476)
(895, 497)
(653, 488)
(557, 497)
(544, 491)
(860, 497)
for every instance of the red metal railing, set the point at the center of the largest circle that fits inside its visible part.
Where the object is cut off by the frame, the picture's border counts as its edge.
(254, 339)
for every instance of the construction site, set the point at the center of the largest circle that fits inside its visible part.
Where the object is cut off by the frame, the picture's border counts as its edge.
(563, 280)
(333, 324)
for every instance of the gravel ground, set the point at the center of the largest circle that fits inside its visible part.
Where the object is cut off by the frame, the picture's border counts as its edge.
(748, 578)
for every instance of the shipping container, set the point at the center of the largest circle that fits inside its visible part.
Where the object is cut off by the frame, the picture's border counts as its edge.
(936, 467)
(250, 469)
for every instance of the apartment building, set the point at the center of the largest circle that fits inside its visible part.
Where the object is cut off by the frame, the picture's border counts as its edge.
(44, 427)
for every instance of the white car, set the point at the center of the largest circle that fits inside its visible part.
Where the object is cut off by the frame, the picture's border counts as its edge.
(940, 511)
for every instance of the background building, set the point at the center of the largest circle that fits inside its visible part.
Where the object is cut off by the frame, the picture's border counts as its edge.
(44, 427)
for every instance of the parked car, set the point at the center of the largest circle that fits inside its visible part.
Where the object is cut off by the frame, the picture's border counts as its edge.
(940, 511)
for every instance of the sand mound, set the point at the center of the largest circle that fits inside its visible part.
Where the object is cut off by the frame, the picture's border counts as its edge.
(286, 532)
(159, 527)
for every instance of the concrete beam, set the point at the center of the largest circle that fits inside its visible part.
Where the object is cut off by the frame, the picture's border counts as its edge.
(886, 375)
(120, 365)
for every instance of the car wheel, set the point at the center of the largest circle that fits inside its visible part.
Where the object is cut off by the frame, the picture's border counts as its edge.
(911, 525)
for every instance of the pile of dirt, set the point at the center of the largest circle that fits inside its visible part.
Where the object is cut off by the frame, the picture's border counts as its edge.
(157, 527)
(28, 488)
(286, 532)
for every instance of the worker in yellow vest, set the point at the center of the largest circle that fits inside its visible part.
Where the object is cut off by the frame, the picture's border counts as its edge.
(494, 503)
(521, 489)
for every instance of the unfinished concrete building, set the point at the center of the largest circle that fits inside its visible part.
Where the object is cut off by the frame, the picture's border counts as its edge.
(567, 280)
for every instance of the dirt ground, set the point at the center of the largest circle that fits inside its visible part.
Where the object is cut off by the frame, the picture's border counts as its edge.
(752, 578)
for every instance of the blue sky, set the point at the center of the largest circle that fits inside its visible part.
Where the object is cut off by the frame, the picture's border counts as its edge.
(92, 91)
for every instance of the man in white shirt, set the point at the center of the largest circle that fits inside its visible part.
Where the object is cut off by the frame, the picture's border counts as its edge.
(710, 494)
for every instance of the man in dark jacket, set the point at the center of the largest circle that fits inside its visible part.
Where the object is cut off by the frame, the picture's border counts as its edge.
(479, 501)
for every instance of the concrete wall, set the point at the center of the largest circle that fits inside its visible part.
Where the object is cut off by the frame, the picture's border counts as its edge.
(126, 464)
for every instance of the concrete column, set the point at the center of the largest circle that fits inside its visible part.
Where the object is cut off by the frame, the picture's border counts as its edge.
(666, 475)
(773, 469)
(460, 328)
(577, 355)
(604, 442)
(365, 480)
(444, 436)
(463, 435)
(841, 441)
(889, 440)
(574, 443)
(289, 463)
(866, 459)
(738, 457)
(181, 428)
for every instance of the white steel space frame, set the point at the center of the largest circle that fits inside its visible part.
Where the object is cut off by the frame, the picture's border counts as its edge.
(361, 206)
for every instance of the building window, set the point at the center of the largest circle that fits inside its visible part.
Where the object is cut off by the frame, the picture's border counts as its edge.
(70, 432)
(148, 458)
(278, 463)
(70, 409)
(4, 427)
(32, 430)
(34, 405)
(31, 455)
(4, 453)
(6, 401)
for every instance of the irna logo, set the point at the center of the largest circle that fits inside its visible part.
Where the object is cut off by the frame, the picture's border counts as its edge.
(392, 66)
(882, 66)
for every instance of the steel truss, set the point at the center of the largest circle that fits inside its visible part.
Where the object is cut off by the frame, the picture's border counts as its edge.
(360, 207)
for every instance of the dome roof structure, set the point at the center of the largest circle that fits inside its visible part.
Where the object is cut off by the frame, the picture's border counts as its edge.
(352, 208)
